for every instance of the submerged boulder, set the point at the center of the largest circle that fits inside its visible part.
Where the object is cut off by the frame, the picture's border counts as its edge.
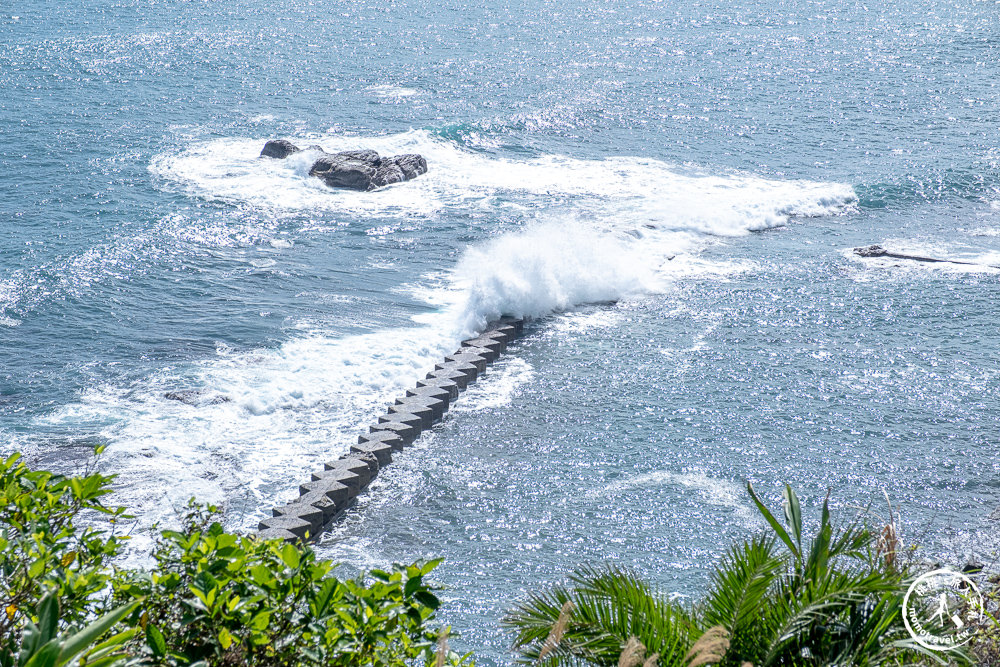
(357, 170)
(279, 148)
(871, 251)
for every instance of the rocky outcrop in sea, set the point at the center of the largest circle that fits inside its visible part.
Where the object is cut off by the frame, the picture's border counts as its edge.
(356, 170)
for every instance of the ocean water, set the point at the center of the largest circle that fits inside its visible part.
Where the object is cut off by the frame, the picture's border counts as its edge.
(670, 190)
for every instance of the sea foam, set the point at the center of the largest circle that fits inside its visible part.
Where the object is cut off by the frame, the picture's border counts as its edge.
(640, 190)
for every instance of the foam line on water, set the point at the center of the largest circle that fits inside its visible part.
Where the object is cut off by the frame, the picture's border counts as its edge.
(712, 490)
(498, 388)
(642, 191)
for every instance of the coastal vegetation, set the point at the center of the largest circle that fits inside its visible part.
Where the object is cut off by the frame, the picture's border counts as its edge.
(778, 598)
(210, 597)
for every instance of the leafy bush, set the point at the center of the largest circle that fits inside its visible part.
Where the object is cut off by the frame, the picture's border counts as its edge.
(42, 645)
(232, 600)
(210, 597)
(46, 555)
(775, 599)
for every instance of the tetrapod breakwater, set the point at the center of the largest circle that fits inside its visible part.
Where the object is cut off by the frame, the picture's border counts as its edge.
(325, 498)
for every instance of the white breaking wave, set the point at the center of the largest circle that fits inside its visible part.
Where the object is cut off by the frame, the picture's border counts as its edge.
(261, 423)
(549, 267)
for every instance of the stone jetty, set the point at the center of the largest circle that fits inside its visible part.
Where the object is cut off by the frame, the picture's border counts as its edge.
(324, 498)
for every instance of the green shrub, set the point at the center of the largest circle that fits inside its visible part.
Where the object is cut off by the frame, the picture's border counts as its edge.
(209, 598)
(226, 599)
(46, 554)
(43, 645)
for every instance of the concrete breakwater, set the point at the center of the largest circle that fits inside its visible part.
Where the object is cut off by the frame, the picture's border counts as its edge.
(325, 497)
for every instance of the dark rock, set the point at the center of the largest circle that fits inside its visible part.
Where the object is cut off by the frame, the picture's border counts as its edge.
(871, 251)
(279, 148)
(340, 172)
(356, 170)
(411, 165)
(196, 397)
(972, 567)
(369, 157)
(387, 173)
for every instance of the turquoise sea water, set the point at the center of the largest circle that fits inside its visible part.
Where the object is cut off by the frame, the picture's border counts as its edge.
(670, 189)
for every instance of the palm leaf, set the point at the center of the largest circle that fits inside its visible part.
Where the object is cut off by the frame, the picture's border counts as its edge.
(740, 590)
(611, 605)
(771, 521)
(815, 614)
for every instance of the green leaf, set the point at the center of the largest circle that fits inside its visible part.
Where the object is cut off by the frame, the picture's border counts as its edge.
(48, 618)
(46, 656)
(430, 565)
(290, 555)
(412, 585)
(225, 639)
(84, 638)
(427, 599)
(793, 514)
(775, 526)
(261, 575)
(154, 639)
(324, 597)
(260, 622)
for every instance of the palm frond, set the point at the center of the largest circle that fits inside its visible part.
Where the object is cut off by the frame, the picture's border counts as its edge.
(611, 605)
(817, 614)
(740, 588)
